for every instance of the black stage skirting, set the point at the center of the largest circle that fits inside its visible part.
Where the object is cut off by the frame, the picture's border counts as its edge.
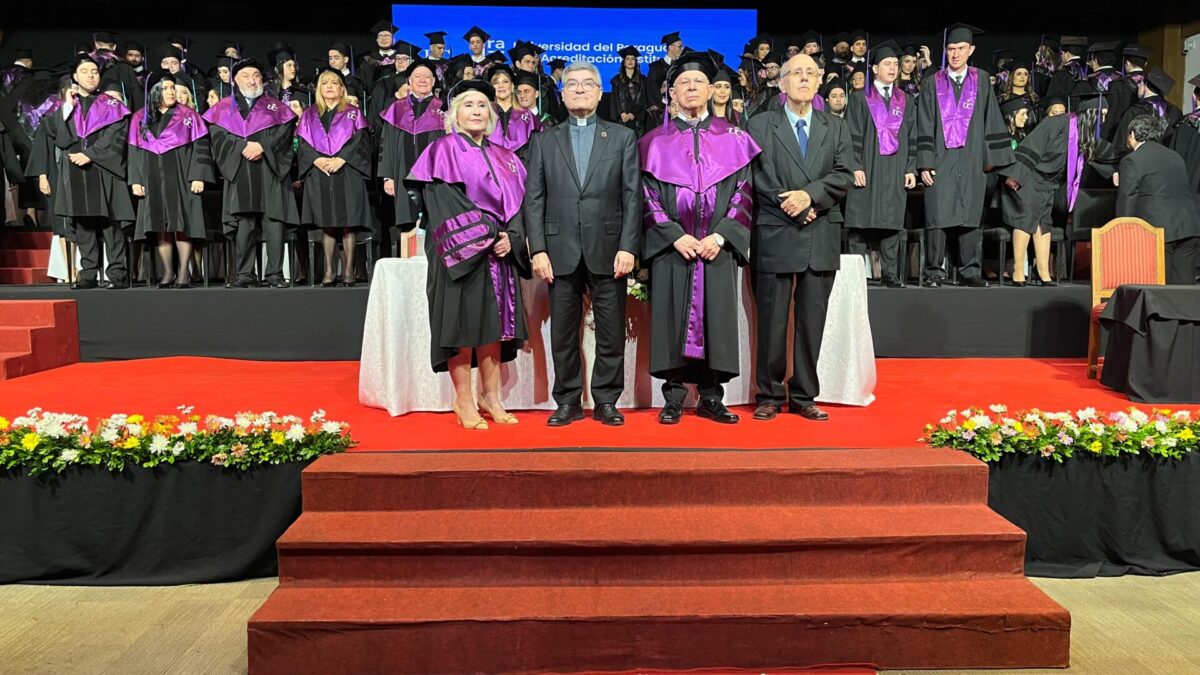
(313, 324)
(1153, 351)
(1102, 517)
(184, 524)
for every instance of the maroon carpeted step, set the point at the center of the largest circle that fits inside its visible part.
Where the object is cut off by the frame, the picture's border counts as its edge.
(37, 335)
(24, 276)
(679, 545)
(486, 480)
(27, 239)
(25, 257)
(987, 623)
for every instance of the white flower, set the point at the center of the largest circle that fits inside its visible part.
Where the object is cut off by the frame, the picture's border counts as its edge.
(319, 415)
(178, 449)
(1160, 427)
(965, 413)
(23, 422)
(267, 416)
(951, 413)
(1139, 416)
(295, 433)
(1086, 415)
(1097, 429)
(133, 429)
(1182, 416)
(69, 455)
(158, 445)
(242, 420)
(52, 426)
(947, 419)
(187, 428)
(185, 409)
(1070, 424)
(982, 421)
(290, 419)
(1129, 424)
(224, 423)
(998, 408)
(1170, 441)
(109, 435)
(331, 428)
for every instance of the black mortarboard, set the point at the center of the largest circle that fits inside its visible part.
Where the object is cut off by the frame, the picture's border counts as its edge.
(246, 63)
(629, 51)
(109, 36)
(1136, 51)
(839, 38)
(1001, 55)
(1012, 105)
(809, 37)
(557, 64)
(437, 37)
(1195, 81)
(342, 48)
(327, 69)
(1050, 41)
(178, 38)
(502, 68)
(698, 61)
(125, 46)
(961, 32)
(772, 57)
(762, 39)
(472, 85)
(835, 83)
(1048, 101)
(885, 50)
(432, 66)
(1160, 82)
(858, 34)
(454, 67)
(157, 76)
(407, 48)
(24, 54)
(725, 74)
(81, 59)
(520, 50)
(476, 30)
(672, 37)
(165, 51)
(280, 52)
(1074, 41)
(525, 77)
(1017, 64)
(1103, 47)
(717, 57)
(384, 26)
(229, 43)
(912, 49)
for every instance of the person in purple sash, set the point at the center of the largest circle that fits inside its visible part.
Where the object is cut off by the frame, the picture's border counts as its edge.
(169, 163)
(285, 83)
(335, 165)
(410, 125)
(475, 243)
(515, 125)
(1125, 91)
(800, 179)
(1053, 154)
(86, 140)
(377, 62)
(1153, 91)
(698, 206)
(252, 144)
(392, 85)
(529, 98)
(21, 68)
(961, 137)
(883, 123)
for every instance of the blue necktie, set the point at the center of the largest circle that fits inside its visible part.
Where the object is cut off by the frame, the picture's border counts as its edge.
(802, 137)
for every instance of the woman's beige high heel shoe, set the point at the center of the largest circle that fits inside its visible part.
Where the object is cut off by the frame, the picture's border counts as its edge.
(498, 416)
(480, 424)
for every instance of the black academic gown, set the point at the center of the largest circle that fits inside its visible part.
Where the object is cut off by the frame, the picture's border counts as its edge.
(1171, 114)
(1185, 140)
(96, 190)
(262, 187)
(1041, 172)
(169, 204)
(338, 200)
(41, 139)
(384, 91)
(671, 286)
(398, 150)
(629, 96)
(881, 204)
(126, 77)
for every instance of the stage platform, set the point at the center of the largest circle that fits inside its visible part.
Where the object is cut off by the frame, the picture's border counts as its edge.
(325, 324)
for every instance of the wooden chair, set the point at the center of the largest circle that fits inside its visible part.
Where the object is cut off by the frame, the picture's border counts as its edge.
(1124, 251)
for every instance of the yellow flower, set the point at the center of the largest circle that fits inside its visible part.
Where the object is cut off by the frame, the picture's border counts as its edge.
(3, 423)
(1186, 434)
(136, 419)
(130, 443)
(969, 425)
(1096, 446)
(30, 441)
(277, 437)
(1018, 426)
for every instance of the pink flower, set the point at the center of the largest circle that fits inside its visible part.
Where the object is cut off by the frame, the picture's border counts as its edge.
(1148, 442)
(219, 459)
(239, 450)
(968, 435)
(1047, 450)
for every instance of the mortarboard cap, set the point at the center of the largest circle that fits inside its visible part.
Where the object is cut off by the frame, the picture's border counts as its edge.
(1072, 41)
(692, 61)
(476, 30)
(437, 37)
(835, 83)
(761, 39)
(629, 51)
(840, 38)
(242, 64)
(383, 27)
(128, 45)
(1136, 51)
(1160, 81)
(109, 36)
(858, 34)
(1017, 64)
(498, 68)
(24, 54)
(1103, 47)
(1012, 105)
(961, 32)
(525, 77)
(431, 66)
(809, 37)
(520, 50)
(406, 48)
(280, 52)
(887, 49)
(178, 39)
(557, 64)
(911, 49)
(165, 51)
(1195, 81)
(772, 57)
(671, 38)
(340, 47)
(472, 85)
(229, 43)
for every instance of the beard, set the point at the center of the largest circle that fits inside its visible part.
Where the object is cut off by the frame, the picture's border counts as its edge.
(251, 93)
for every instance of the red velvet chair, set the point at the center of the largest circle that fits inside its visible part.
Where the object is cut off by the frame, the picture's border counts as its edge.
(1124, 251)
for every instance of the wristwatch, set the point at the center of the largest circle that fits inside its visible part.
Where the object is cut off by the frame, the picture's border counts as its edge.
(720, 239)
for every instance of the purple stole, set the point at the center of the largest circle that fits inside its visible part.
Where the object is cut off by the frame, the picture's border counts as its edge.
(266, 112)
(1074, 161)
(956, 115)
(1158, 104)
(668, 156)
(33, 116)
(342, 127)
(497, 195)
(1104, 79)
(521, 127)
(818, 101)
(400, 115)
(1077, 69)
(104, 111)
(887, 118)
(184, 127)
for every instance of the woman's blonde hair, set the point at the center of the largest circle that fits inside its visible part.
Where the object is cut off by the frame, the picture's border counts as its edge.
(452, 113)
(326, 76)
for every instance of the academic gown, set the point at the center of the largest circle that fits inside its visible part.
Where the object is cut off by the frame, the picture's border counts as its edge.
(338, 200)
(683, 200)
(408, 128)
(11, 75)
(474, 296)
(1185, 140)
(123, 74)
(1149, 106)
(384, 91)
(957, 196)
(262, 186)
(98, 189)
(1041, 170)
(515, 127)
(169, 204)
(882, 203)
(630, 96)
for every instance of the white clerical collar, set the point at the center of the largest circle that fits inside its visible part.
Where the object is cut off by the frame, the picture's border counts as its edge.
(345, 72)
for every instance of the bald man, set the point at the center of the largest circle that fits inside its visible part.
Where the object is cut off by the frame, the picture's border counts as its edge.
(804, 171)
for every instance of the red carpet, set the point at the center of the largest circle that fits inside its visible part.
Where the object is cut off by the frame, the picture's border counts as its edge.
(911, 392)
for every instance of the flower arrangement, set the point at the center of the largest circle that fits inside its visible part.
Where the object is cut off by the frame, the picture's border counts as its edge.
(1056, 436)
(638, 284)
(44, 441)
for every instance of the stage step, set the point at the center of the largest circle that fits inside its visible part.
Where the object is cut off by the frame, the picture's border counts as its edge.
(29, 239)
(24, 276)
(24, 257)
(37, 335)
(997, 623)
(691, 545)
(411, 481)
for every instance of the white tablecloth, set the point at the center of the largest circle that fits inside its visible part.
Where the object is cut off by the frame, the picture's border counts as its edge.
(395, 373)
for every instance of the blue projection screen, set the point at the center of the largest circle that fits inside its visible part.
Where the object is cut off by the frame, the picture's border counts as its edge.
(588, 33)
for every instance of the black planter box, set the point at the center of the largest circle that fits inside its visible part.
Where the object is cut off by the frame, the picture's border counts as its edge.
(182, 524)
(1104, 516)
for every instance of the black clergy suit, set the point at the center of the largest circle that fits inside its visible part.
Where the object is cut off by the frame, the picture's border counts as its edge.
(789, 257)
(581, 222)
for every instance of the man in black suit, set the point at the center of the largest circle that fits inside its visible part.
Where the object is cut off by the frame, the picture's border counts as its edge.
(583, 211)
(802, 174)
(1152, 185)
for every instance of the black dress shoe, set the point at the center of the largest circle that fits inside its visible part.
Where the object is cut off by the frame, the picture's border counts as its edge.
(933, 283)
(608, 414)
(348, 283)
(1049, 283)
(85, 284)
(186, 284)
(240, 283)
(976, 282)
(1018, 284)
(766, 411)
(893, 282)
(716, 411)
(564, 415)
(809, 411)
(328, 284)
(117, 285)
(166, 284)
(671, 413)
(279, 283)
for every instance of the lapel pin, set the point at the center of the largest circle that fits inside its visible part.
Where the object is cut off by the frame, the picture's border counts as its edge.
(603, 134)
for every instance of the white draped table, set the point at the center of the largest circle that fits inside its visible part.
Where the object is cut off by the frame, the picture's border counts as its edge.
(395, 373)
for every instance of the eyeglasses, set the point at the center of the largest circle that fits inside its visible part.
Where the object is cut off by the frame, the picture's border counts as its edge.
(586, 85)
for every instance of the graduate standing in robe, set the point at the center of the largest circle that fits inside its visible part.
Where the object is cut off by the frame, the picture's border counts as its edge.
(1185, 140)
(285, 79)
(514, 125)
(252, 144)
(1053, 154)
(411, 124)
(1126, 91)
(340, 58)
(389, 85)
(21, 68)
(960, 137)
(86, 140)
(335, 165)
(698, 205)
(376, 63)
(475, 245)
(882, 122)
(169, 163)
(529, 97)
(656, 76)
(527, 57)
(628, 100)
(1152, 91)
(727, 102)
(1071, 68)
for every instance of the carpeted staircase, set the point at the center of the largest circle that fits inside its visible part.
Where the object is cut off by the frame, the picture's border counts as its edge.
(37, 335)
